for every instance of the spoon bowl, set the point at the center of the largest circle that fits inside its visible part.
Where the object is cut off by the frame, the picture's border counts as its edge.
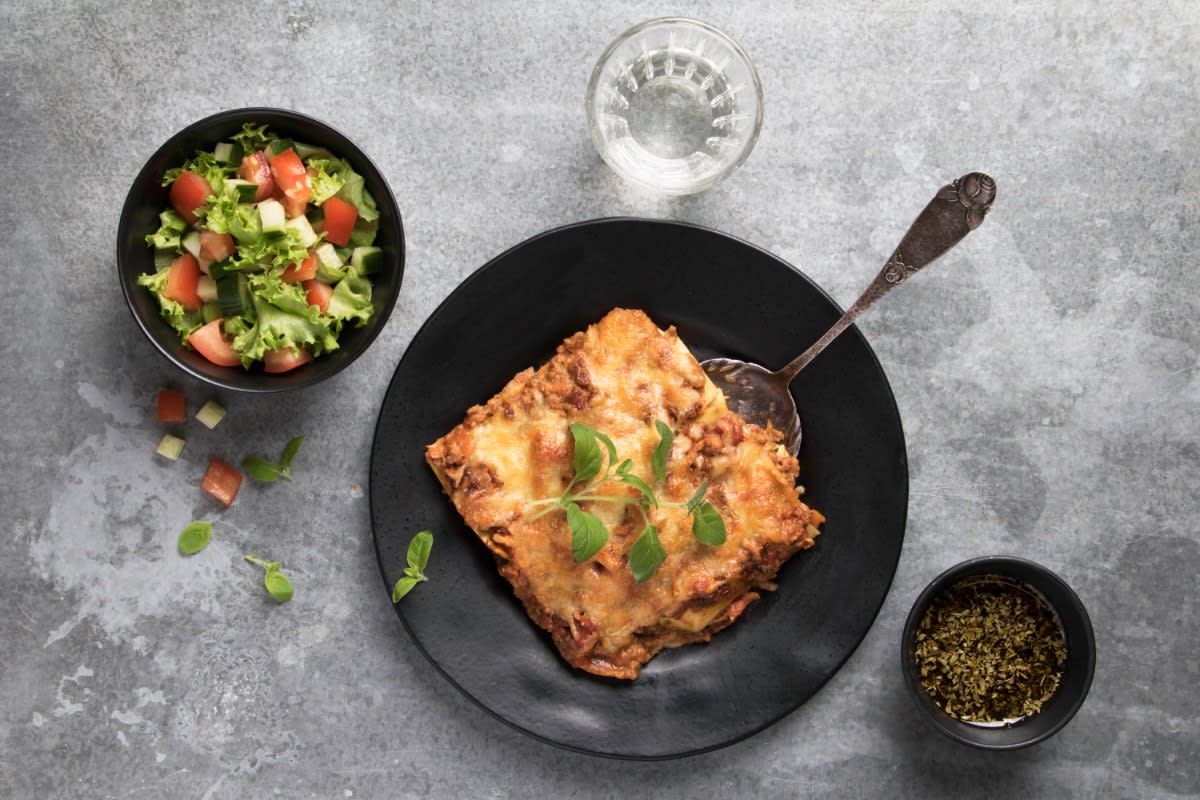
(761, 396)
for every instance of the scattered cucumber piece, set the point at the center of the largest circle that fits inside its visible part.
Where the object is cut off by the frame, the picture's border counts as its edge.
(170, 447)
(210, 414)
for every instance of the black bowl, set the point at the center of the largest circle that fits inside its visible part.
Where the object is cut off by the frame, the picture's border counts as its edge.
(1077, 674)
(148, 197)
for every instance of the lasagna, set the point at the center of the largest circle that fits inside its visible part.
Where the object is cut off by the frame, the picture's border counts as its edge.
(619, 377)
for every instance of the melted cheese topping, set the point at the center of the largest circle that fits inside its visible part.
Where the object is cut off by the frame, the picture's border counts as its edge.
(619, 377)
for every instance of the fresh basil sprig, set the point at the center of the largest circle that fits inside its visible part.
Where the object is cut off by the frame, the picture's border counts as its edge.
(278, 585)
(594, 463)
(418, 558)
(267, 471)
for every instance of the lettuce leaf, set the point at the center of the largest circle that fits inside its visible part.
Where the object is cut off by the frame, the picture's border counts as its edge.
(328, 181)
(167, 237)
(276, 250)
(351, 299)
(205, 165)
(253, 137)
(284, 319)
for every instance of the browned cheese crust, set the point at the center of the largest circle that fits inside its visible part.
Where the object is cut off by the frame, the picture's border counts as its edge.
(618, 377)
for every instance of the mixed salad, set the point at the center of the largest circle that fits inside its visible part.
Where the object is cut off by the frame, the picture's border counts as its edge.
(266, 252)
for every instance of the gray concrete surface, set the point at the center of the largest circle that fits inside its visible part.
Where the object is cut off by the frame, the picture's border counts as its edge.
(1046, 375)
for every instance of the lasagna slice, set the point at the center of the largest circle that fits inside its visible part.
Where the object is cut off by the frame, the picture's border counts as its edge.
(618, 377)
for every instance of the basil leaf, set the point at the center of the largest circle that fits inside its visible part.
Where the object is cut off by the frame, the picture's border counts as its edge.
(646, 555)
(403, 587)
(666, 437)
(639, 484)
(697, 497)
(707, 525)
(289, 452)
(588, 533)
(195, 537)
(588, 458)
(609, 446)
(625, 467)
(260, 468)
(419, 549)
(278, 585)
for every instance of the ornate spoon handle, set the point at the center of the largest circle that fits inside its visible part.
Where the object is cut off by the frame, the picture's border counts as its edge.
(957, 209)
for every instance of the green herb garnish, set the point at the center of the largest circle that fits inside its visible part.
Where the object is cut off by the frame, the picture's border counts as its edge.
(595, 463)
(418, 558)
(267, 471)
(989, 650)
(278, 585)
(195, 537)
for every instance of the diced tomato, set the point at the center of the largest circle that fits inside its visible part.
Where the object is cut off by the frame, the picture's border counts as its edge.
(340, 217)
(292, 178)
(188, 193)
(171, 406)
(318, 294)
(216, 246)
(221, 481)
(284, 359)
(182, 277)
(256, 169)
(303, 271)
(212, 343)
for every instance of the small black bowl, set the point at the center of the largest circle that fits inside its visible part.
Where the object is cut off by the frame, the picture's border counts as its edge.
(1077, 673)
(148, 197)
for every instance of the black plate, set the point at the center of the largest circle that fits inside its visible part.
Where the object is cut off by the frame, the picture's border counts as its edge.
(724, 296)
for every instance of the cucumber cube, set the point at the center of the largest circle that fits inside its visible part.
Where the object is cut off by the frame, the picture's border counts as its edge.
(272, 215)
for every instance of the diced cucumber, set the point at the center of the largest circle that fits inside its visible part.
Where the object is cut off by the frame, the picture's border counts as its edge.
(367, 260)
(206, 287)
(210, 414)
(272, 215)
(191, 243)
(170, 447)
(277, 146)
(229, 152)
(301, 225)
(210, 311)
(243, 190)
(328, 256)
(229, 296)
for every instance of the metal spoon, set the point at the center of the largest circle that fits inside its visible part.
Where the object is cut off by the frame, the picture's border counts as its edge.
(762, 396)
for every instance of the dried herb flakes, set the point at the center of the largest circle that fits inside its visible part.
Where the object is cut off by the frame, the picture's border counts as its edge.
(988, 650)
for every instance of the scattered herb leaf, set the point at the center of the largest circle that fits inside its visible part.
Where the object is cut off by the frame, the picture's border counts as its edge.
(194, 537)
(697, 497)
(418, 558)
(267, 471)
(646, 555)
(277, 584)
(587, 459)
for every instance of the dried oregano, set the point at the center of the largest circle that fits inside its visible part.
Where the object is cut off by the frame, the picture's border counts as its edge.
(988, 650)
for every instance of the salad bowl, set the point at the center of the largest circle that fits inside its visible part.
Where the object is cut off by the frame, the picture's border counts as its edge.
(148, 198)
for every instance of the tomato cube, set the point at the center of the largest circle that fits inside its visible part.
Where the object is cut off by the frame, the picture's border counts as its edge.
(171, 406)
(221, 481)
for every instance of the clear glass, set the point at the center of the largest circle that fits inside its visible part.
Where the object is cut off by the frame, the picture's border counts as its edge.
(674, 105)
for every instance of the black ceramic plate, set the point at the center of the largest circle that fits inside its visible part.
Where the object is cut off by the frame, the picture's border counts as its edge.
(724, 297)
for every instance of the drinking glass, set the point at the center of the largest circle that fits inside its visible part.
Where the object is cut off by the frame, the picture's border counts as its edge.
(674, 105)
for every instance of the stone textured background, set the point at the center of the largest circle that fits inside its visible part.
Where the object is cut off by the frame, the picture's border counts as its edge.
(1046, 373)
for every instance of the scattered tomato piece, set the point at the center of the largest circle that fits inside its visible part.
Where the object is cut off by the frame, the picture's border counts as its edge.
(318, 294)
(171, 406)
(221, 481)
(182, 279)
(340, 217)
(212, 343)
(285, 359)
(188, 193)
